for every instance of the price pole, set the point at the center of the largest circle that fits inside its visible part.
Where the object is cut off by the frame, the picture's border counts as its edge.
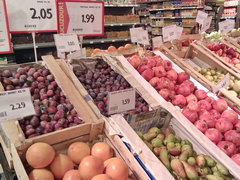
(34, 46)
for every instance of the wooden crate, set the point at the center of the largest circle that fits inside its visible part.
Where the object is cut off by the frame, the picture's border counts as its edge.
(84, 134)
(197, 55)
(11, 132)
(232, 42)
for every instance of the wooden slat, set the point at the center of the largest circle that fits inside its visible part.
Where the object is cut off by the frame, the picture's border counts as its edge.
(80, 105)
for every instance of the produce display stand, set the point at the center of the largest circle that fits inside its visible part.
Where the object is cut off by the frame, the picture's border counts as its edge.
(197, 57)
(83, 135)
(11, 132)
(177, 114)
(230, 40)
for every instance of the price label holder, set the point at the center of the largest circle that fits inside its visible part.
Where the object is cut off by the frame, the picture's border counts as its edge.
(5, 43)
(169, 33)
(206, 24)
(201, 17)
(16, 104)
(142, 37)
(226, 26)
(32, 16)
(66, 42)
(121, 101)
(157, 41)
(134, 34)
(224, 82)
(85, 18)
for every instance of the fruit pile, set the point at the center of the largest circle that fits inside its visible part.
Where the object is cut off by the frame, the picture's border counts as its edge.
(179, 157)
(215, 75)
(228, 54)
(53, 110)
(101, 80)
(212, 117)
(80, 163)
(213, 35)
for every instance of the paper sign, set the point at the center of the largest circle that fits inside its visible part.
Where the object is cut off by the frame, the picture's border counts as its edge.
(142, 37)
(169, 33)
(121, 101)
(179, 31)
(32, 15)
(81, 17)
(157, 41)
(77, 54)
(61, 55)
(134, 34)
(206, 24)
(226, 26)
(5, 43)
(17, 104)
(224, 82)
(201, 17)
(66, 42)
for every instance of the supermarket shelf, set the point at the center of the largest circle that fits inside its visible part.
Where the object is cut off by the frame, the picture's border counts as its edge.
(121, 5)
(52, 44)
(171, 9)
(122, 24)
(145, 15)
(230, 6)
(186, 26)
(231, 17)
(176, 17)
(149, 2)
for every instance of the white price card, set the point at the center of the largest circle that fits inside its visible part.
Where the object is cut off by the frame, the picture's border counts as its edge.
(142, 37)
(157, 41)
(226, 26)
(32, 15)
(206, 24)
(66, 42)
(78, 54)
(169, 33)
(84, 18)
(5, 43)
(201, 17)
(179, 31)
(224, 82)
(15, 104)
(121, 101)
(134, 34)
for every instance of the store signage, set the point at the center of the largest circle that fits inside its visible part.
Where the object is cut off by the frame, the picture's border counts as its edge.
(66, 42)
(206, 24)
(84, 18)
(169, 33)
(32, 15)
(224, 82)
(143, 37)
(121, 101)
(157, 41)
(5, 43)
(17, 104)
(134, 34)
(226, 26)
(201, 17)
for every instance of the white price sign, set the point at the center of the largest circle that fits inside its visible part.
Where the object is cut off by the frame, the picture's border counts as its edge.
(201, 17)
(16, 104)
(206, 24)
(142, 37)
(226, 26)
(224, 82)
(66, 42)
(32, 15)
(134, 34)
(121, 101)
(84, 18)
(169, 33)
(157, 41)
(179, 31)
(5, 44)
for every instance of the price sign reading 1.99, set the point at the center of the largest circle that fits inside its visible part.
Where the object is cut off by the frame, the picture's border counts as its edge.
(81, 17)
(32, 15)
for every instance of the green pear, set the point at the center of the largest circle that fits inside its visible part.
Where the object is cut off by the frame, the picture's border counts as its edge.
(214, 177)
(187, 148)
(210, 161)
(169, 138)
(164, 157)
(174, 149)
(155, 130)
(222, 169)
(185, 142)
(156, 142)
(157, 150)
(178, 139)
(177, 166)
(184, 155)
(161, 136)
(191, 161)
(190, 171)
(140, 134)
(200, 160)
(149, 136)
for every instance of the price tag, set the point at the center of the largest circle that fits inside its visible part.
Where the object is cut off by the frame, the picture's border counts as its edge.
(77, 54)
(66, 42)
(134, 34)
(5, 43)
(206, 24)
(121, 101)
(142, 37)
(201, 17)
(224, 82)
(15, 104)
(169, 33)
(81, 17)
(226, 26)
(157, 41)
(61, 55)
(32, 15)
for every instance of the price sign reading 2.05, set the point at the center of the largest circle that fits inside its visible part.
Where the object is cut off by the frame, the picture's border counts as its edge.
(42, 14)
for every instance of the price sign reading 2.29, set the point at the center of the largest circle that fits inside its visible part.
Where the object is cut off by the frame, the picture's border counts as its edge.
(32, 15)
(85, 18)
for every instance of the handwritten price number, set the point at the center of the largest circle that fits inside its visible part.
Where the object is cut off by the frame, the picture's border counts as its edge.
(71, 43)
(88, 18)
(171, 33)
(126, 101)
(17, 106)
(44, 13)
